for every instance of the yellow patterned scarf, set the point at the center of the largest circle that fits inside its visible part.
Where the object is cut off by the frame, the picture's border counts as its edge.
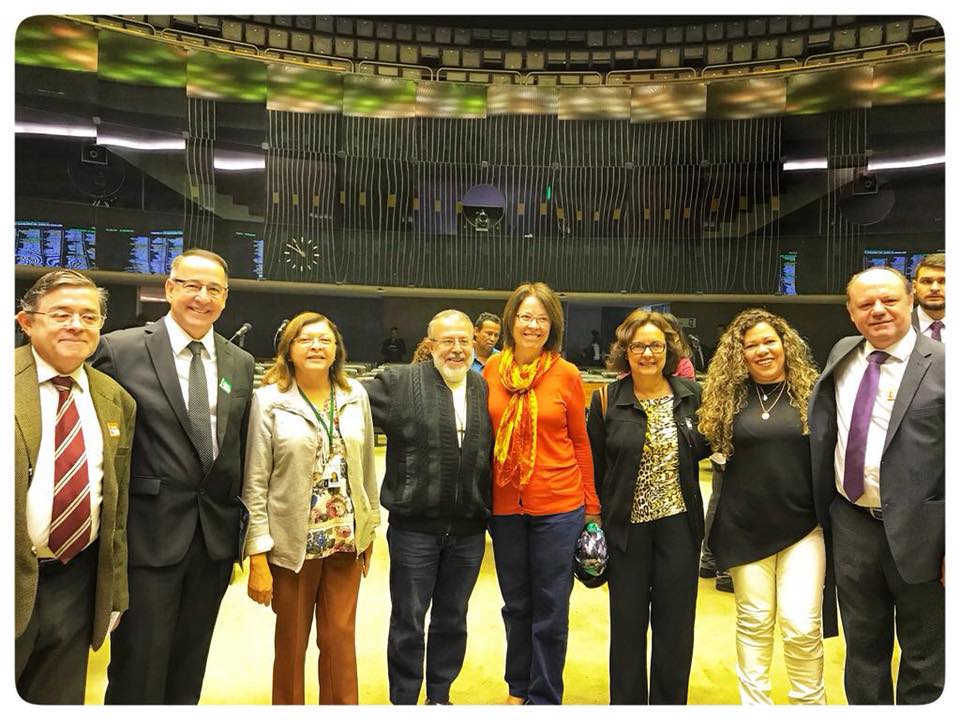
(515, 449)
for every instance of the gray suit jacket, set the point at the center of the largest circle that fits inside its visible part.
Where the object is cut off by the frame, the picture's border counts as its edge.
(169, 491)
(912, 469)
(114, 406)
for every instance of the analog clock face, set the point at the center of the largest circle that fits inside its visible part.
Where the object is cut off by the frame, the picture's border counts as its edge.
(301, 253)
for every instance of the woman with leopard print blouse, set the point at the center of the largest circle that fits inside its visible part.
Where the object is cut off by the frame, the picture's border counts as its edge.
(646, 451)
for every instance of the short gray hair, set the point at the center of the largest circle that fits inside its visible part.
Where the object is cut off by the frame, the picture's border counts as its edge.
(199, 252)
(444, 314)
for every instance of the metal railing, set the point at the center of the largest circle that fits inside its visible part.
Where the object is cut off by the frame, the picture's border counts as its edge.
(330, 62)
(425, 72)
(474, 75)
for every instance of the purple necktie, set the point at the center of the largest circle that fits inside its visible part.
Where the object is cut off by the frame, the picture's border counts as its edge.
(935, 330)
(860, 424)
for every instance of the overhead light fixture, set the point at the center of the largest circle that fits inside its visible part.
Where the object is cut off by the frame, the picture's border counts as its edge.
(135, 143)
(236, 162)
(873, 164)
(908, 162)
(35, 128)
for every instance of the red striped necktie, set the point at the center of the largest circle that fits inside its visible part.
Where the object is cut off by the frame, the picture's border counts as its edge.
(70, 519)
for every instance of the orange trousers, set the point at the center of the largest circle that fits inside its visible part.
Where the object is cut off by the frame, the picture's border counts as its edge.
(325, 588)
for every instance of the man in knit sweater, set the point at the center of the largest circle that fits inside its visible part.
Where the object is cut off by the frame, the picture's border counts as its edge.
(437, 491)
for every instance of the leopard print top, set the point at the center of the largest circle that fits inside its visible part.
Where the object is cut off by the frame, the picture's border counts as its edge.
(657, 494)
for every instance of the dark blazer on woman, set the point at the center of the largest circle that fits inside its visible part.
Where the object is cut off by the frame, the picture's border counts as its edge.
(616, 441)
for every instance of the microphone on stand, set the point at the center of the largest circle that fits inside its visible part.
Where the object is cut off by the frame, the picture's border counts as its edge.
(279, 333)
(238, 335)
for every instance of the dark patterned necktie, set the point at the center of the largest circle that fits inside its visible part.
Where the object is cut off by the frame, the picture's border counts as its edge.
(70, 519)
(935, 327)
(860, 424)
(198, 407)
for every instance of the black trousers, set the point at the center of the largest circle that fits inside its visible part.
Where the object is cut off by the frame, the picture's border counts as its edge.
(158, 653)
(51, 654)
(653, 584)
(875, 600)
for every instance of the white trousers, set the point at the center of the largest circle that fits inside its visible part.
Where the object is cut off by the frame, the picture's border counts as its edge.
(788, 586)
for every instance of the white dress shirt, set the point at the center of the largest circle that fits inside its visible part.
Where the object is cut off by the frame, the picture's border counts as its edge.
(40, 493)
(182, 357)
(925, 320)
(848, 375)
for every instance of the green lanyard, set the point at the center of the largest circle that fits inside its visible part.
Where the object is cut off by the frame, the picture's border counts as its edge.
(326, 426)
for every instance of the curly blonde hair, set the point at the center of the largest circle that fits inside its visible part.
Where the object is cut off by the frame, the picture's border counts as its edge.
(725, 389)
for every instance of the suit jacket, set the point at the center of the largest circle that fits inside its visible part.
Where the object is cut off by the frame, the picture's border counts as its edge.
(115, 406)
(915, 319)
(912, 468)
(169, 491)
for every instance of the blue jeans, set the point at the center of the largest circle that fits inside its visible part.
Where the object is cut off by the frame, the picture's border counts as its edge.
(534, 558)
(425, 569)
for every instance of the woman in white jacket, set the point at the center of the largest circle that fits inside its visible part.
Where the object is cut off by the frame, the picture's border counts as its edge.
(311, 489)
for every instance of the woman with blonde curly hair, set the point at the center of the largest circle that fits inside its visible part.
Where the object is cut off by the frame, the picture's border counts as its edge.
(754, 412)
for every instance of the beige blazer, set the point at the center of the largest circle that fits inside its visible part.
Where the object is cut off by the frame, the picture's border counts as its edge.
(113, 405)
(281, 450)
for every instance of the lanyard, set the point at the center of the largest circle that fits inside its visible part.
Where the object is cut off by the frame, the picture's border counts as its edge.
(327, 426)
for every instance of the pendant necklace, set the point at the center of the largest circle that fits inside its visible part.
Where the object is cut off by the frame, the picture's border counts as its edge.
(765, 414)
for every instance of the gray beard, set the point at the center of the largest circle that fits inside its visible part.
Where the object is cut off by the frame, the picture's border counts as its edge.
(452, 375)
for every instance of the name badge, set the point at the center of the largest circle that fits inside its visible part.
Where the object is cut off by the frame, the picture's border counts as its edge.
(113, 429)
(225, 385)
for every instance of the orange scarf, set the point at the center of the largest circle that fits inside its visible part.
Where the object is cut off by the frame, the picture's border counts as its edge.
(515, 448)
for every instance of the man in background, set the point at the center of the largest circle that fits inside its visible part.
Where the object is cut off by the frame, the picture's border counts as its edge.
(485, 336)
(929, 292)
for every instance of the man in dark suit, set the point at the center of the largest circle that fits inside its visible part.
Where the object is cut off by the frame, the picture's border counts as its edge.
(877, 444)
(193, 394)
(930, 295)
(73, 429)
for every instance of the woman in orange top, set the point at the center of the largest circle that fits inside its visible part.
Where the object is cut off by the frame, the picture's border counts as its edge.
(542, 486)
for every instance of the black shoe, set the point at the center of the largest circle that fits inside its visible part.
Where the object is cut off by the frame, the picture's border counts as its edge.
(724, 582)
(434, 702)
(708, 571)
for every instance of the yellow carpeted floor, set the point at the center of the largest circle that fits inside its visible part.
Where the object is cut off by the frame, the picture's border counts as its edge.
(241, 657)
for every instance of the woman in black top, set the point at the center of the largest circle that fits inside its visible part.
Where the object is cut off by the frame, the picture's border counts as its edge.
(645, 454)
(754, 411)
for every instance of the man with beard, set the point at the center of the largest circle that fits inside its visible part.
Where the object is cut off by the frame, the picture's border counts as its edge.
(485, 336)
(437, 491)
(929, 290)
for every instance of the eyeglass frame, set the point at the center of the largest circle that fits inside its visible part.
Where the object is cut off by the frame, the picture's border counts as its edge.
(214, 292)
(647, 346)
(541, 320)
(449, 343)
(65, 322)
(324, 342)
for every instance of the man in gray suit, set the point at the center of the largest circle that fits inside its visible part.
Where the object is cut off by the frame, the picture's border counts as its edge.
(877, 443)
(193, 391)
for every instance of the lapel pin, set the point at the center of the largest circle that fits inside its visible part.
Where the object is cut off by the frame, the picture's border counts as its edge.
(113, 429)
(225, 385)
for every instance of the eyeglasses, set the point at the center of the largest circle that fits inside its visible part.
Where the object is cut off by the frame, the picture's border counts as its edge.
(639, 348)
(448, 343)
(530, 319)
(192, 287)
(91, 321)
(306, 341)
